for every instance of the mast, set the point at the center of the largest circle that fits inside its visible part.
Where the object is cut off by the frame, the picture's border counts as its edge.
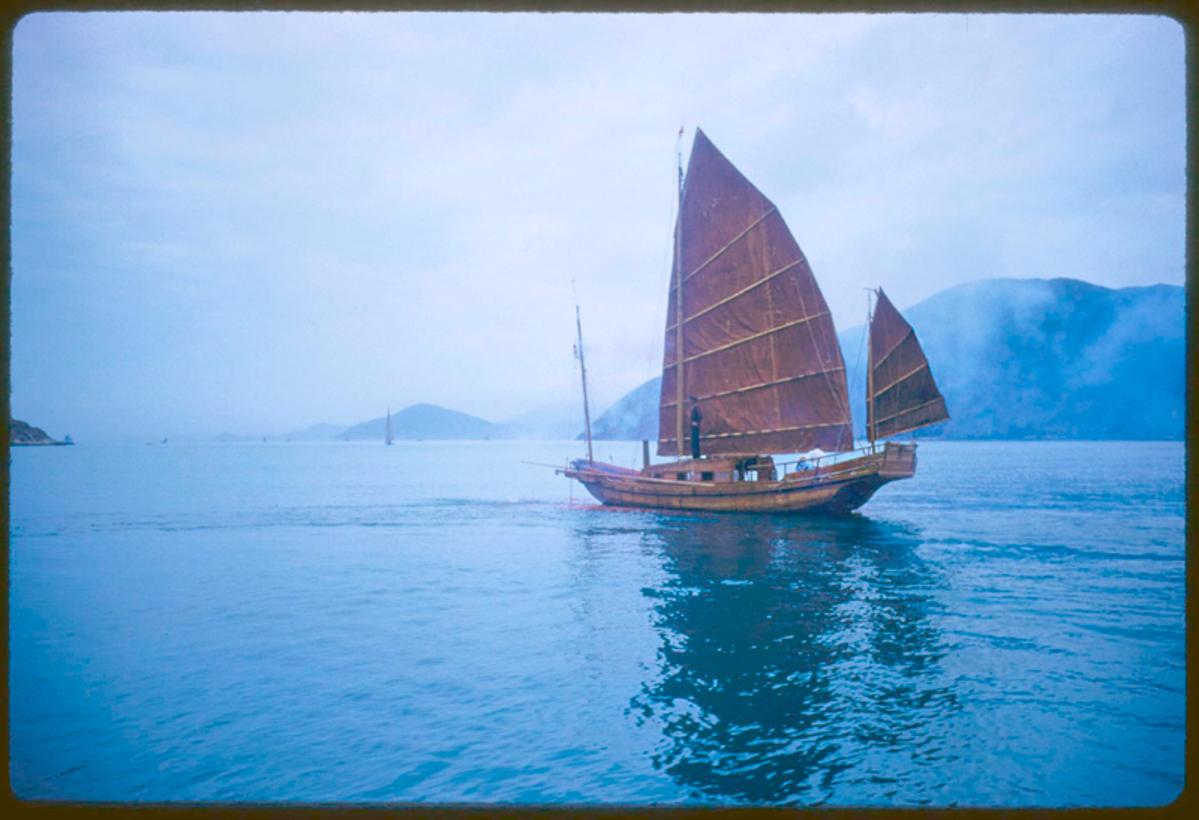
(869, 372)
(583, 370)
(678, 304)
(387, 437)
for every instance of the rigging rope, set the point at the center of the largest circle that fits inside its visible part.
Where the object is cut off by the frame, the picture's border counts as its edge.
(861, 346)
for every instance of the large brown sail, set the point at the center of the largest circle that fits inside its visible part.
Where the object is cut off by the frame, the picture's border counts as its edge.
(760, 351)
(903, 395)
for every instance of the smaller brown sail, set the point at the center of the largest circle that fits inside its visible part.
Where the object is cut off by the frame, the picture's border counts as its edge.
(902, 394)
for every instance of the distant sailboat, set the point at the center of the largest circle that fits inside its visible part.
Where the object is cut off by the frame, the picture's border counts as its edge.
(750, 341)
(387, 438)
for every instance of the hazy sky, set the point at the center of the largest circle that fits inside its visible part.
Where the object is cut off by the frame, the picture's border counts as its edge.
(253, 222)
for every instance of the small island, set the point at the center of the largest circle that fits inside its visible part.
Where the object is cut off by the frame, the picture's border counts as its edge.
(22, 433)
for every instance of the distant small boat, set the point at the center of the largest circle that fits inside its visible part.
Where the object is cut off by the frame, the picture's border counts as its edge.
(752, 368)
(387, 437)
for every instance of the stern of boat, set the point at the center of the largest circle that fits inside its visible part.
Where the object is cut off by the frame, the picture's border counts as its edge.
(899, 461)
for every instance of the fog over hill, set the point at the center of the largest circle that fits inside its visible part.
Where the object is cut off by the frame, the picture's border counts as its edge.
(318, 432)
(634, 416)
(430, 421)
(1022, 358)
(1015, 358)
(557, 422)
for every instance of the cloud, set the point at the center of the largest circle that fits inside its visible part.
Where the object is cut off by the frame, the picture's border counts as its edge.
(258, 221)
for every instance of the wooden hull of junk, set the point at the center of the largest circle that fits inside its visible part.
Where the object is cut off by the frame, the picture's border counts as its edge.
(722, 484)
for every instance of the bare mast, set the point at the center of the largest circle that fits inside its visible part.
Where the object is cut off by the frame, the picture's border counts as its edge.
(583, 370)
(678, 303)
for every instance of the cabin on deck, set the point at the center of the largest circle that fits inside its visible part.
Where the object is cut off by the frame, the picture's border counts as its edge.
(718, 469)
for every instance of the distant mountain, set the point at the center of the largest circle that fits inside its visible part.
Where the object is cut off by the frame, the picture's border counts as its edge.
(633, 417)
(1052, 358)
(22, 433)
(551, 423)
(318, 432)
(1022, 358)
(428, 421)
(236, 438)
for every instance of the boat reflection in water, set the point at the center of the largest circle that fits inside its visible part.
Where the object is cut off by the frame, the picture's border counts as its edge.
(797, 658)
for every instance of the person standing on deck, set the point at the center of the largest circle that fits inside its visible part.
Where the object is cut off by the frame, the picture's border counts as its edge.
(696, 418)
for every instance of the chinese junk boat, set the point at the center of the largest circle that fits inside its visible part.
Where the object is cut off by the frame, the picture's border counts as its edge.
(760, 372)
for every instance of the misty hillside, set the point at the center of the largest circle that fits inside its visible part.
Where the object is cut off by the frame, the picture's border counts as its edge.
(428, 421)
(24, 433)
(318, 432)
(637, 412)
(1023, 358)
(561, 423)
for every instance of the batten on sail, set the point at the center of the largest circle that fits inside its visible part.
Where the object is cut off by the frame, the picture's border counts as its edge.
(760, 352)
(902, 394)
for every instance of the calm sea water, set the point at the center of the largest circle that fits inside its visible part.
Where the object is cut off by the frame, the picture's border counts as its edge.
(440, 622)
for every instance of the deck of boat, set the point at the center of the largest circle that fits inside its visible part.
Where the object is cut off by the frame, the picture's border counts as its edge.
(721, 484)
